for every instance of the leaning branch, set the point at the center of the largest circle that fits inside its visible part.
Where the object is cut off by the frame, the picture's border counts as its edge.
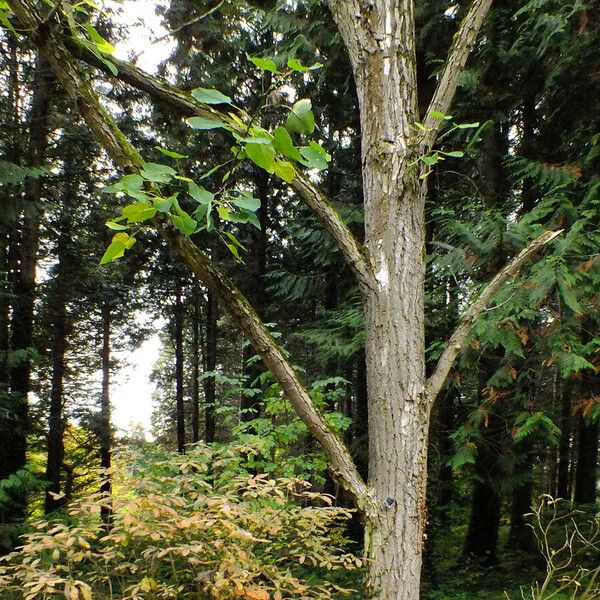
(187, 105)
(457, 340)
(464, 40)
(127, 158)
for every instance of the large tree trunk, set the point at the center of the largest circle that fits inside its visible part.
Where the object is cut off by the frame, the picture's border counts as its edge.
(384, 70)
(195, 387)
(586, 475)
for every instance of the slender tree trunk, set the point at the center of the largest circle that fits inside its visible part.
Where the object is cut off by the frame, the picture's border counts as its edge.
(256, 293)
(564, 446)
(195, 391)
(105, 426)
(179, 398)
(361, 421)
(210, 358)
(520, 536)
(15, 420)
(586, 474)
(58, 312)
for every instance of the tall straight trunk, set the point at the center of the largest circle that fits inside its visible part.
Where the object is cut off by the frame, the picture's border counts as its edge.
(394, 304)
(564, 447)
(256, 293)
(361, 420)
(179, 398)
(210, 364)
(15, 420)
(586, 474)
(195, 387)
(105, 426)
(60, 320)
(520, 536)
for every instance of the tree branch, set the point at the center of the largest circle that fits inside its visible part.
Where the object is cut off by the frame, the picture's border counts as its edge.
(127, 158)
(186, 105)
(457, 339)
(464, 40)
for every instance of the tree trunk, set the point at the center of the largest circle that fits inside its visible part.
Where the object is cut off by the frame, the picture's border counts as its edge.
(564, 446)
(520, 536)
(13, 429)
(105, 426)
(586, 474)
(195, 391)
(210, 364)
(179, 399)
(481, 542)
(58, 314)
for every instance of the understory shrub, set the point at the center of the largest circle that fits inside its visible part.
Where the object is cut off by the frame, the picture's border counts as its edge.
(194, 526)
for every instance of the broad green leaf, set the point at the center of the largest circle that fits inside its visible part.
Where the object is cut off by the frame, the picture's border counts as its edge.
(262, 156)
(184, 223)
(233, 249)
(204, 123)
(200, 194)
(170, 153)
(296, 65)
(283, 144)
(246, 201)
(121, 241)
(210, 96)
(164, 204)
(139, 212)
(157, 172)
(101, 43)
(315, 156)
(128, 184)
(234, 239)
(285, 170)
(454, 154)
(301, 118)
(264, 64)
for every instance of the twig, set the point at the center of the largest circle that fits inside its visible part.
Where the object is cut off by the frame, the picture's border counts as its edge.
(193, 21)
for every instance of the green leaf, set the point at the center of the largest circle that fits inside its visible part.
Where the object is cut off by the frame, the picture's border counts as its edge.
(170, 153)
(283, 144)
(164, 204)
(301, 118)
(200, 194)
(121, 241)
(204, 123)
(285, 170)
(262, 156)
(454, 154)
(116, 226)
(101, 43)
(157, 172)
(139, 212)
(246, 201)
(264, 64)
(296, 65)
(128, 184)
(315, 156)
(467, 125)
(210, 96)
(439, 115)
(184, 223)
(431, 160)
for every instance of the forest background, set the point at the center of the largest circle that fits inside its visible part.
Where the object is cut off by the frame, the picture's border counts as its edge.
(519, 415)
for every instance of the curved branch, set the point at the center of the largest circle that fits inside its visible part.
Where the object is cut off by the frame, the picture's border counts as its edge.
(457, 339)
(464, 40)
(127, 158)
(187, 105)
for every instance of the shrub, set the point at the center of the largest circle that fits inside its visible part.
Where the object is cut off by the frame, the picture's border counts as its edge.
(194, 526)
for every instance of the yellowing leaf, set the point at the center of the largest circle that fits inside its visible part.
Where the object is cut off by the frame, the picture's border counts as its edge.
(257, 594)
